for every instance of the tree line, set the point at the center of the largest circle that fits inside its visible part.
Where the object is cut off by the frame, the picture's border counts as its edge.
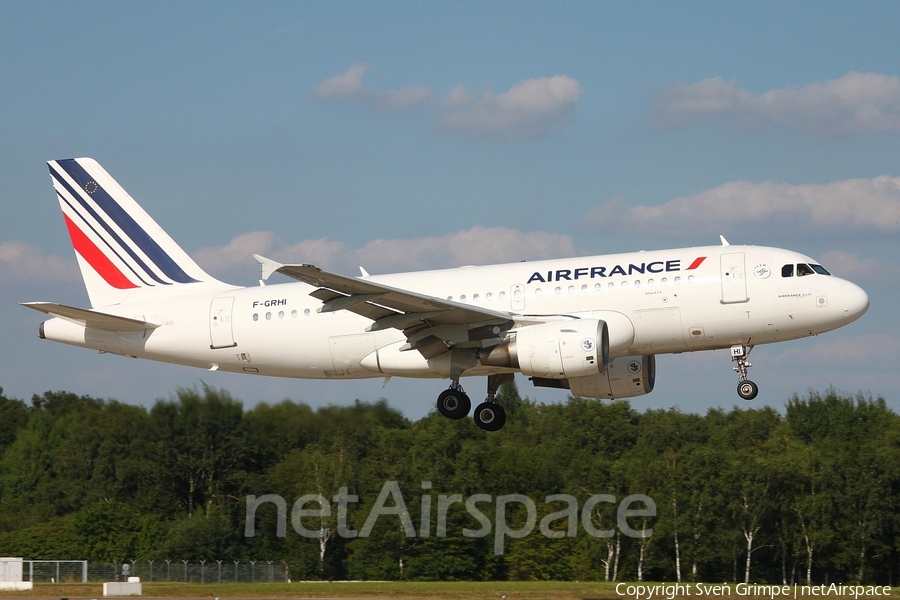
(754, 495)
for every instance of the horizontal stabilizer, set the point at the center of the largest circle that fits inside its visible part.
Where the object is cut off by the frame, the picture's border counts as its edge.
(90, 318)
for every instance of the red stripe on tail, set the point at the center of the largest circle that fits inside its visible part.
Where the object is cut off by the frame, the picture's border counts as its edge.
(95, 257)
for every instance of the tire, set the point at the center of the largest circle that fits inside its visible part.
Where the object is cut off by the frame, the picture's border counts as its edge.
(489, 416)
(747, 390)
(454, 404)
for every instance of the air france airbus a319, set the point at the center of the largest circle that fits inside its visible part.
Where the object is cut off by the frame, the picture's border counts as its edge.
(592, 325)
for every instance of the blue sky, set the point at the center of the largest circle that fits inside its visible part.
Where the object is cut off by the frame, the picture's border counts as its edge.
(404, 135)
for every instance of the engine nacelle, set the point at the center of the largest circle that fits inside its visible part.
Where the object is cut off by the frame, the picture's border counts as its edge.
(625, 377)
(558, 350)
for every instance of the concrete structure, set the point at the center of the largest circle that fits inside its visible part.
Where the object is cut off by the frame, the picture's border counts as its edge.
(117, 588)
(11, 575)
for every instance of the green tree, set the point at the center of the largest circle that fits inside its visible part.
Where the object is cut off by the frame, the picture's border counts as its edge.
(13, 417)
(201, 443)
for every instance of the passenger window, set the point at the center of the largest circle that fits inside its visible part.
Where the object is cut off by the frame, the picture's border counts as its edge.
(598, 287)
(503, 295)
(787, 271)
(803, 270)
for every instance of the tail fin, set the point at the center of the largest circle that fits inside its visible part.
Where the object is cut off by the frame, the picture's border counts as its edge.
(121, 250)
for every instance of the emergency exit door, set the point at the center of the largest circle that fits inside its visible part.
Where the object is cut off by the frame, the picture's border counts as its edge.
(221, 334)
(734, 278)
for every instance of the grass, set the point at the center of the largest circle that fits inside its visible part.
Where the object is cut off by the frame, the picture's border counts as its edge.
(510, 590)
(463, 590)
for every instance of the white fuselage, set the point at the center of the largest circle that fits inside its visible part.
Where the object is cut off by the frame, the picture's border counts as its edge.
(658, 302)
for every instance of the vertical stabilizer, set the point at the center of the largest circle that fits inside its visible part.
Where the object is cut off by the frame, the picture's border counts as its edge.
(121, 250)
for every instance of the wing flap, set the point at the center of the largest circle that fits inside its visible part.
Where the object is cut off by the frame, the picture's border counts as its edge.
(420, 316)
(400, 300)
(90, 318)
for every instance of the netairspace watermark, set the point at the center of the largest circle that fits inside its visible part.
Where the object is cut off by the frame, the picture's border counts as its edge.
(635, 505)
(673, 591)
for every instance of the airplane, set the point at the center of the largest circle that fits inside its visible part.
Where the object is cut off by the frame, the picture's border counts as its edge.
(591, 324)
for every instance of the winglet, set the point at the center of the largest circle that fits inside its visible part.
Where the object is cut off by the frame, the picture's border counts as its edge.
(724, 241)
(269, 266)
(363, 273)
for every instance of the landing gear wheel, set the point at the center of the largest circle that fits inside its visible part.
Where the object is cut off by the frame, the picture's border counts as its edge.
(489, 416)
(454, 404)
(747, 390)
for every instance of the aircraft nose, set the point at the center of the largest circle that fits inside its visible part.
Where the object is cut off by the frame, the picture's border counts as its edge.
(854, 300)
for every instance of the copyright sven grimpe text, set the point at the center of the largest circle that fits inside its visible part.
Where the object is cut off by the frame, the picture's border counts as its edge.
(673, 591)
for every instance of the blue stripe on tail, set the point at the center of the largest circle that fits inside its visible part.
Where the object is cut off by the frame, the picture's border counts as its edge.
(126, 223)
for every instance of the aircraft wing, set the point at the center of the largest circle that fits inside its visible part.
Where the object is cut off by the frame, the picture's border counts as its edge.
(431, 324)
(90, 318)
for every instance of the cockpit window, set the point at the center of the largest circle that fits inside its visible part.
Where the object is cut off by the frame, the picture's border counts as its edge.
(803, 269)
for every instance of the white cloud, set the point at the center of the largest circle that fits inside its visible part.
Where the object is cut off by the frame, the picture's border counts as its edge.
(350, 86)
(346, 85)
(235, 252)
(529, 110)
(845, 264)
(854, 103)
(870, 351)
(22, 262)
(479, 245)
(862, 204)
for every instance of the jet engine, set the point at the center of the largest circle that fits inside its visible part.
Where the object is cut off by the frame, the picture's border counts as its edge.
(625, 377)
(559, 350)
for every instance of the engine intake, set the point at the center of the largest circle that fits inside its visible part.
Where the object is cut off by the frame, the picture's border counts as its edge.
(625, 377)
(558, 350)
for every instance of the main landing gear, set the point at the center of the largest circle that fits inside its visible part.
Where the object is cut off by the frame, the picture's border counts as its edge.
(454, 403)
(746, 389)
(489, 415)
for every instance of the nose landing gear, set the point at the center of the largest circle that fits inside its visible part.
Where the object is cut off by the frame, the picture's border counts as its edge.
(746, 389)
